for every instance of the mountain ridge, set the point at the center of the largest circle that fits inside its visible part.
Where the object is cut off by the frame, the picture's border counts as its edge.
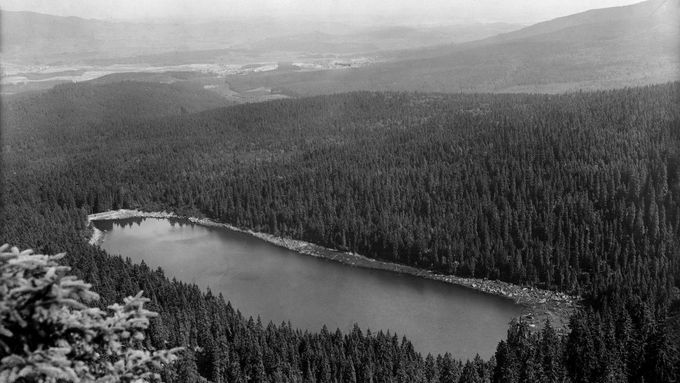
(581, 51)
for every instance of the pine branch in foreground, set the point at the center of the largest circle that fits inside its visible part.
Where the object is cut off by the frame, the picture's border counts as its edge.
(48, 333)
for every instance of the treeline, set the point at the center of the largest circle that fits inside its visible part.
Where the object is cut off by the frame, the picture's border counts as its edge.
(629, 344)
(577, 192)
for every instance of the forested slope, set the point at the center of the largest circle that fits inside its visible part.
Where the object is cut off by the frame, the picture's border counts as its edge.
(77, 105)
(577, 192)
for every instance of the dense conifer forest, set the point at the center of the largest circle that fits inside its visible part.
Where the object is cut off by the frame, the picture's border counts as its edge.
(578, 193)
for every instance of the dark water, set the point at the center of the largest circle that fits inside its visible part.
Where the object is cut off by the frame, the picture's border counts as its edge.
(282, 285)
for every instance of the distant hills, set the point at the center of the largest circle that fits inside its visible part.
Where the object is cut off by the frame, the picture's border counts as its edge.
(598, 49)
(379, 39)
(604, 48)
(30, 37)
(48, 39)
(605, 22)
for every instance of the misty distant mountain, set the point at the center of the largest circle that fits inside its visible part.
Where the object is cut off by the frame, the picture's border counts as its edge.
(369, 40)
(30, 37)
(27, 34)
(35, 38)
(606, 22)
(23, 28)
(605, 48)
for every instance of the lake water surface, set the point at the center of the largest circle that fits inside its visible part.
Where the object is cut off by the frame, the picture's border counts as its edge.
(281, 285)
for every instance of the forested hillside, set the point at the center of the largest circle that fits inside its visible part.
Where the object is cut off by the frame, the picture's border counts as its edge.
(577, 192)
(77, 105)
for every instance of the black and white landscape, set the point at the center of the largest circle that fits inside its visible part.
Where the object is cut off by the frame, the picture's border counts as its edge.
(365, 191)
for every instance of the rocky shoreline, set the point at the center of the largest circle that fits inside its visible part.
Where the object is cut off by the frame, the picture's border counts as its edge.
(538, 304)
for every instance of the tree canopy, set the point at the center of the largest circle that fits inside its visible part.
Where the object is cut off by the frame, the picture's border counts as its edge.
(577, 192)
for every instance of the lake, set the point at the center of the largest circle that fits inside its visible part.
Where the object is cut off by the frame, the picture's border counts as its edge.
(277, 284)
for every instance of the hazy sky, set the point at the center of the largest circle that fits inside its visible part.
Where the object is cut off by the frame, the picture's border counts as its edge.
(516, 11)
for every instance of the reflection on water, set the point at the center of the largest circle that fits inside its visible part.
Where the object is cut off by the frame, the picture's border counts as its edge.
(280, 285)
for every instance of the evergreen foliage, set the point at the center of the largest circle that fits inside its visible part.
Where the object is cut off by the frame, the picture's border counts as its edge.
(49, 334)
